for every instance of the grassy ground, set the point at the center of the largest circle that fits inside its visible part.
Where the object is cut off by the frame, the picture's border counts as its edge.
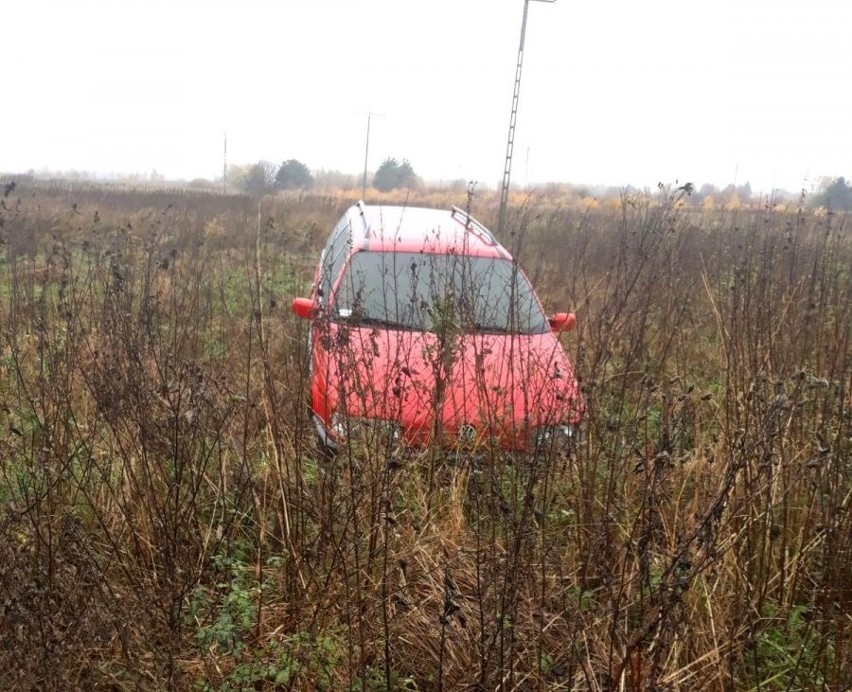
(166, 522)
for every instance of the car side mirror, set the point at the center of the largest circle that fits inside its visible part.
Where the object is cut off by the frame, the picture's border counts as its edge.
(304, 308)
(562, 322)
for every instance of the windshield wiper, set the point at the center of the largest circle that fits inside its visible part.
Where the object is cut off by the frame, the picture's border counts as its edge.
(491, 328)
(368, 321)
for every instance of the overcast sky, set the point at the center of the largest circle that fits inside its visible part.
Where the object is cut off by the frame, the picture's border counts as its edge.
(613, 92)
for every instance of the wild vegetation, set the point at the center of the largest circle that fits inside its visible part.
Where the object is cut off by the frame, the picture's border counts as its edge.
(167, 522)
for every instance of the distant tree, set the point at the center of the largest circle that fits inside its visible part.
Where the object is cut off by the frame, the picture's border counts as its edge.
(392, 175)
(203, 184)
(706, 192)
(236, 173)
(294, 175)
(728, 192)
(457, 185)
(836, 194)
(707, 189)
(258, 179)
(342, 181)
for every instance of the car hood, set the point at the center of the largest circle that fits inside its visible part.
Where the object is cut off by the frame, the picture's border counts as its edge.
(498, 383)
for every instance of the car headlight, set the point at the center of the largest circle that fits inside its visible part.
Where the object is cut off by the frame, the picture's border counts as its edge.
(369, 431)
(553, 438)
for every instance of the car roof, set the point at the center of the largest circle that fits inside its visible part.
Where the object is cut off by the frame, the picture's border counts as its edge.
(418, 229)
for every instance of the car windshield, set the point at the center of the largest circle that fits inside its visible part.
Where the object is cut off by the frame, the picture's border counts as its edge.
(431, 292)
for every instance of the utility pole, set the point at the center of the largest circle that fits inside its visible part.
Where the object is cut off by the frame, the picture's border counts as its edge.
(507, 169)
(225, 166)
(366, 156)
(369, 115)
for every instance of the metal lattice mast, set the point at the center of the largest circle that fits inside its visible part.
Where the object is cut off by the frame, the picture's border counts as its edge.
(510, 144)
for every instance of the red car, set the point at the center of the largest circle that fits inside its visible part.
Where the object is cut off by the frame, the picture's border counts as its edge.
(424, 329)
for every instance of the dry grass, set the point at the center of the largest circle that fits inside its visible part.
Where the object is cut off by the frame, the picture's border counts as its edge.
(165, 521)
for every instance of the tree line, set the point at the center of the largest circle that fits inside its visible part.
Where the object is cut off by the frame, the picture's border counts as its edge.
(834, 194)
(265, 177)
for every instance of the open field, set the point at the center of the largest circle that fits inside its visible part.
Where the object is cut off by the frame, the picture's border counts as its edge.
(166, 522)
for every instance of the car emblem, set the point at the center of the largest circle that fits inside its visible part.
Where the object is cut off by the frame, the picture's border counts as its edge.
(467, 433)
